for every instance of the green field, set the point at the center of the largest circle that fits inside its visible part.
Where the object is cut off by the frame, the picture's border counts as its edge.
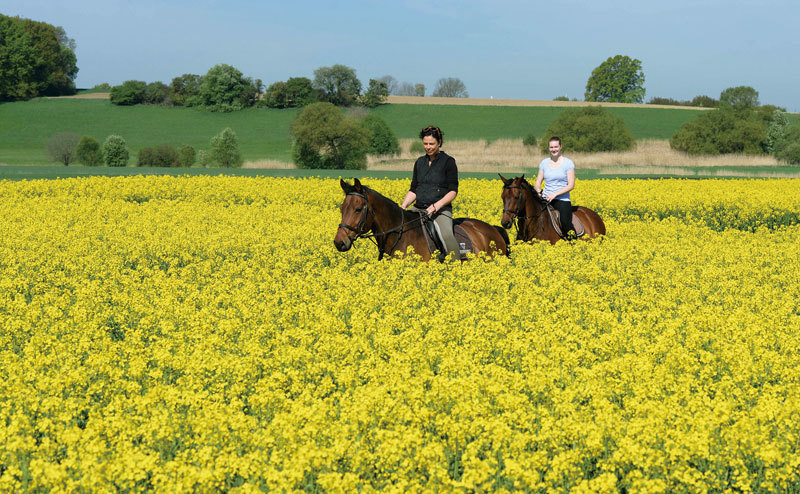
(25, 127)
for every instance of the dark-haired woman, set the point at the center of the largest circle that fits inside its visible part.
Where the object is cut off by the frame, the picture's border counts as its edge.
(558, 173)
(434, 185)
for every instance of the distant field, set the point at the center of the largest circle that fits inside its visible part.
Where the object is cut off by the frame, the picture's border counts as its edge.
(263, 134)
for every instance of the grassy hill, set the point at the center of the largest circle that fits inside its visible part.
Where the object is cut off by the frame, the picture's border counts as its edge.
(25, 127)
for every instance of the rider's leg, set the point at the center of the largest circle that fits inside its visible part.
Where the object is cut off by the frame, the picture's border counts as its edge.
(565, 212)
(443, 221)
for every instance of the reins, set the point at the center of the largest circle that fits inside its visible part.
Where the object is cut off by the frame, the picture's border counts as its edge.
(361, 230)
(520, 203)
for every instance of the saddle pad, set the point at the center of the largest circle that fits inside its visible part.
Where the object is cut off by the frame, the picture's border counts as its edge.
(464, 242)
(555, 220)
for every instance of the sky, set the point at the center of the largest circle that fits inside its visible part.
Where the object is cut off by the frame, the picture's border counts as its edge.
(513, 49)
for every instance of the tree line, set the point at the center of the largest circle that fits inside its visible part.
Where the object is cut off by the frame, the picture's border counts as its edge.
(36, 59)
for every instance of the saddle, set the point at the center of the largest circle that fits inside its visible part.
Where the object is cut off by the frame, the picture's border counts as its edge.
(435, 242)
(555, 220)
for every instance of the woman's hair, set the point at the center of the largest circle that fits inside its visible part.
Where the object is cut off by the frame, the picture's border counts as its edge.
(555, 138)
(434, 132)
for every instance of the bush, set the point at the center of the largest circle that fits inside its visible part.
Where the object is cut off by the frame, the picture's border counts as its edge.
(89, 151)
(128, 93)
(156, 93)
(721, 131)
(115, 151)
(529, 140)
(382, 140)
(325, 138)
(185, 90)
(225, 149)
(186, 156)
(162, 156)
(589, 129)
(376, 94)
(203, 159)
(417, 148)
(787, 148)
(704, 102)
(225, 89)
(667, 101)
(561, 98)
(776, 129)
(62, 146)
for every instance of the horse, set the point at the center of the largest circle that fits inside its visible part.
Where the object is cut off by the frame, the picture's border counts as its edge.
(523, 204)
(395, 229)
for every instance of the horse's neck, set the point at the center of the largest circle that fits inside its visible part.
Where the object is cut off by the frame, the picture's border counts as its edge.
(388, 214)
(534, 210)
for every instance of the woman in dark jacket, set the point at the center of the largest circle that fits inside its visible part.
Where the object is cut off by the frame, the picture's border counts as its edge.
(434, 185)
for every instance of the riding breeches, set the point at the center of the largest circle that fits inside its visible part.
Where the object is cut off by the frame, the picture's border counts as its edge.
(564, 209)
(443, 221)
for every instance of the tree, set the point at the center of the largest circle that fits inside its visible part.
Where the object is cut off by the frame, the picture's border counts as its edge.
(740, 98)
(57, 68)
(61, 147)
(404, 89)
(225, 149)
(788, 146)
(382, 140)
(89, 152)
(450, 87)
(589, 129)
(276, 95)
(295, 92)
(391, 83)
(224, 88)
(156, 93)
(115, 151)
(186, 156)
(776, 129)
(17, 61)
(619, 79)
(185, 90)
(325, 138)
(721, 131)
(376, 94)
(337, 85)
(419, 89)
(128, 93)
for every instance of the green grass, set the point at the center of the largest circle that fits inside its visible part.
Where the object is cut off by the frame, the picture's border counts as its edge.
(25, 127)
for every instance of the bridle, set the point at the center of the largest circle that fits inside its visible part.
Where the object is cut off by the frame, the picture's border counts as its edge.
(516, 212)
(361, 228)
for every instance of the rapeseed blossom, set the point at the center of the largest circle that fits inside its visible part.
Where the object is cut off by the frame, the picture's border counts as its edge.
(176, 334)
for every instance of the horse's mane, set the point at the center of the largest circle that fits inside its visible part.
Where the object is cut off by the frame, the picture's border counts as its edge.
(384, 198)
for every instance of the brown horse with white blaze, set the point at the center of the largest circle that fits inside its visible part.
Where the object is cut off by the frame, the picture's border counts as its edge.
(522, 204)
(368, 214)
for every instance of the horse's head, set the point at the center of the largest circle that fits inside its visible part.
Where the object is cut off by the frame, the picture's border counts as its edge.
(513, 196)
(357, 217)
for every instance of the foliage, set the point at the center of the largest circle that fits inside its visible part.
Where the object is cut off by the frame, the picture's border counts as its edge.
(128, 93)
(416, 148)
(375, 94)
(721, 131)
(419, 89)
(787, 148)
(704, 102)
(325, 138)
(561, 98)
(17, 60)
(161, 156)
(450, 87)
(36, 59)
(89, 151)
(156, 93)
(115, 151)
(391, 83)
(203, 335)
(61, 147)
(103, 86)
(589, 129)
(666, 101)
(619, 79)
(186, 156)
(296, 92)
(740, 98)
(529, 140)
(224, 89)
(204, 159)
(382, 140)
(225, 149)
(776, 129)
(337, 84)
(185, 90)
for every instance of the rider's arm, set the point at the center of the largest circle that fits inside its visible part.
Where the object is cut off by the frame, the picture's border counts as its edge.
(410, 197)
(538, 184)
(444, 201)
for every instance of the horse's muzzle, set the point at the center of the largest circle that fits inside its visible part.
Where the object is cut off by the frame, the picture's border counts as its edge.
(342, 245)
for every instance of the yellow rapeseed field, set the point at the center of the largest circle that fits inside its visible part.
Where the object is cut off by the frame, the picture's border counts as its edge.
(162, 334)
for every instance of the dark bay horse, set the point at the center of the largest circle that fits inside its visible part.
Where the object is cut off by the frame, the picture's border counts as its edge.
(523, 204)
(395, 229)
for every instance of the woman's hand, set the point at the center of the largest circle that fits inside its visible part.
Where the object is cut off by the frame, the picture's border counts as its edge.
(431, 210)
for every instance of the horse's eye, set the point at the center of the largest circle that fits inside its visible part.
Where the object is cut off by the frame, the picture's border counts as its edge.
(358, 210)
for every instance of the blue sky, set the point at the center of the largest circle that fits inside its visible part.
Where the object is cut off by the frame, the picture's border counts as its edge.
(510, 49)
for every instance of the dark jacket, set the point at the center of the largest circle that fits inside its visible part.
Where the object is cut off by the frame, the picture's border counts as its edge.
(431, 183)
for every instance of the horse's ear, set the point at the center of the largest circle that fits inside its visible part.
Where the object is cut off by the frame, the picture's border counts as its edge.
(504, 179)
(523, 176)
(346, 187)
(357, 185)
